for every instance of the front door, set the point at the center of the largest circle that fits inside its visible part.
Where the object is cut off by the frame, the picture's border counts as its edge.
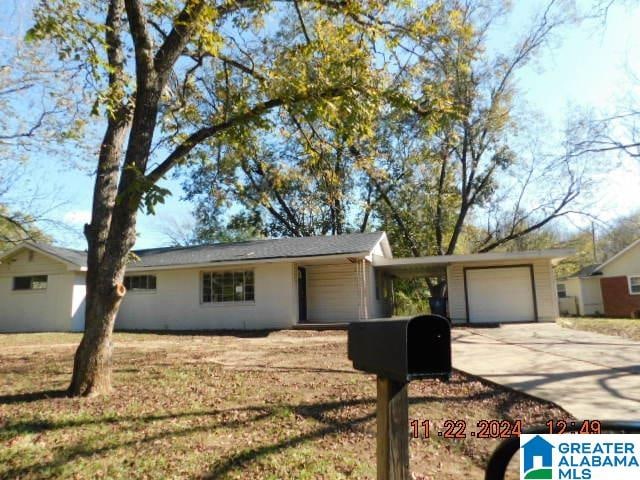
(302, 294)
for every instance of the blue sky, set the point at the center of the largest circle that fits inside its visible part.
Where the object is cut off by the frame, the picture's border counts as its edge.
(587, 66)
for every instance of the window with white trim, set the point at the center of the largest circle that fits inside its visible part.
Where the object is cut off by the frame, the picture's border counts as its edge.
(562, 290)
(140, 282)
(634, 285)
(220, 287)
(33, 282)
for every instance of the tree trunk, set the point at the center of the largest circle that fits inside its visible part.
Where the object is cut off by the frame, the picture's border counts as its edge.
(92, 362)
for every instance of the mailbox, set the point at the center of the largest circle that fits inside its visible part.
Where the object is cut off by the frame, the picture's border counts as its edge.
(402, 350)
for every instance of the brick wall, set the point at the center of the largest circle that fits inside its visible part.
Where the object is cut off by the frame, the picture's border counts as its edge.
(616, 298)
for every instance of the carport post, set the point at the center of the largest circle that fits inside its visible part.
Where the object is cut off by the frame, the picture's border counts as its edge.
(393, 430)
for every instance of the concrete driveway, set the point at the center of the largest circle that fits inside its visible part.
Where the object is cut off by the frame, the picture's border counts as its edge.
(590, 375)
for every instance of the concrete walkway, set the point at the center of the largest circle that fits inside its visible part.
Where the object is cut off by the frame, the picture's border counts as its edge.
(590, 375)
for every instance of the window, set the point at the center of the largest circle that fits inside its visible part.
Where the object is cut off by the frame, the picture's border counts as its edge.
(140, 282)
(35, 282)
(218, 287)
(562, 290)
(634, 285)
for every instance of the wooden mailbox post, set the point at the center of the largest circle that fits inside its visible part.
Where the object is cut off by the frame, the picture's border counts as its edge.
(399, 351)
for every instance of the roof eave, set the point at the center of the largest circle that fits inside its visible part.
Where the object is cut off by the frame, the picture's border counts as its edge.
(247, 261)
(71, 266)
(618, 255)
(552, 255)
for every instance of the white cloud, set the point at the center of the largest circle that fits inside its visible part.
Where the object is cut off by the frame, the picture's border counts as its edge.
(77, 217)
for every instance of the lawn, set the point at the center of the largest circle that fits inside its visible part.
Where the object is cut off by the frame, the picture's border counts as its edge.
(621, 327)
(281, 405)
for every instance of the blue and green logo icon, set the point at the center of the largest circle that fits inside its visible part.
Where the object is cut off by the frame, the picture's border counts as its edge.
(537, 459)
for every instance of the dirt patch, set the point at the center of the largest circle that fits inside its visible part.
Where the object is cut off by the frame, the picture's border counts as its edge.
(284, 405)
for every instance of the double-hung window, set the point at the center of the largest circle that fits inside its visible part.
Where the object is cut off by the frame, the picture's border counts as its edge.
(140, 282)
(222, 287)
(32, 282)
(562, 290)
(634, 285)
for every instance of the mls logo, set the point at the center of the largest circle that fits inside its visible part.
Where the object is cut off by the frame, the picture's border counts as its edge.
(536, 459)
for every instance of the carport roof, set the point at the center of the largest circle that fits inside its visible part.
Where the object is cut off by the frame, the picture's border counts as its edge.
(438, 263)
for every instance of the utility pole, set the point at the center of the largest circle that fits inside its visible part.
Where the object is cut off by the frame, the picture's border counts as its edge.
(593, 242)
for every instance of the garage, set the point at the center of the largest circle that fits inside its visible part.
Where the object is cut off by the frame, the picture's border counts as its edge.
(500, 294)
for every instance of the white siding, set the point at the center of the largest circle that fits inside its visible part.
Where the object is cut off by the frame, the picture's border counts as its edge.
(47, 310)
(78, 302)
(590, 296)
(332, 293)
(568, 305)
(586, 294)
(375, 280)
(573, 287)
(544, 281)
(175, 305)
(455, 292)
(572, 303)
(626, 264)
(381, 306)
(21, 264)
(546, 290)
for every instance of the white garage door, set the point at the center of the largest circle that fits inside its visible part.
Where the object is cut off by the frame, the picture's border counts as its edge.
(500, 295)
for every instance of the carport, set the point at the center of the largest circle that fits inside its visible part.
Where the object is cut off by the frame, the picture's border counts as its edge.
(494, 287)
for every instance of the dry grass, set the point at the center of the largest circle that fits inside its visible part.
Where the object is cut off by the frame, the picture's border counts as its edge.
(266, 406)
(620, 327)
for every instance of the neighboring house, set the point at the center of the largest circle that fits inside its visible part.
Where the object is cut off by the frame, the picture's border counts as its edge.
(270, 284)
(611, 289)
(579, 294)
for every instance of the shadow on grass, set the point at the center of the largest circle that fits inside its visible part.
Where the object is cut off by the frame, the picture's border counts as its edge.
(32, 396)
(68, 454)
(331, 421)
(322, 412)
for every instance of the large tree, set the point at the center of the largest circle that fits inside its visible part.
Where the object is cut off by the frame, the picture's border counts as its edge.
(312, 178)
(479, 178)
(184, 80)
(474, 169)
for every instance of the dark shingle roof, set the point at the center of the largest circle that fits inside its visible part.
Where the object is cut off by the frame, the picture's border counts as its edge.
(586, 271)
(240, 251)
(77, 257)
(258, 250)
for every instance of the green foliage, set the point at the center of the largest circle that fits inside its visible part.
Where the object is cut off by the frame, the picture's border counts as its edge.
(411, 297)
(327, 118)
(16, 227)
(144, 192)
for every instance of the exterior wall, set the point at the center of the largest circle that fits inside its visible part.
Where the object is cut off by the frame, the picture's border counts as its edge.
(590, 296)
(35, 310)
(618, 302)
(78, 302)
(585, 295)
(614, 284)
(455, 291)
(382, 306)
(544, 281)
(568, 306)
(19, 264)
(626, 264)
(574, 295)
(176, 303)
(333, 292)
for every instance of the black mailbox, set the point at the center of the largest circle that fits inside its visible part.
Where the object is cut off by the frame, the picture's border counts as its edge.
(402, 350)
